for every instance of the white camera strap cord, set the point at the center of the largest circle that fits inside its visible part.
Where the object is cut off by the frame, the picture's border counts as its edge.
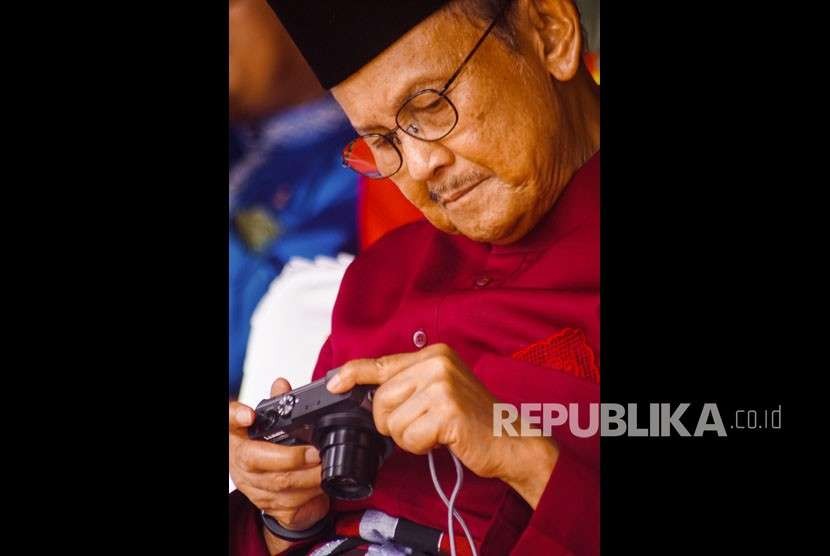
(450, 503)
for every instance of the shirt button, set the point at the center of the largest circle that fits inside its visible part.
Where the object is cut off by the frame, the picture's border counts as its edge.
(419, 338)
(482, 281)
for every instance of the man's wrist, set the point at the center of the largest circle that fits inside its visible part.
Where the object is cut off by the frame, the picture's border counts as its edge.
(275, 544)
(531, 461)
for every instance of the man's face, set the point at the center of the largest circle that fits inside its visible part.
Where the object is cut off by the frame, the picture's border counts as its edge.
(508, 158)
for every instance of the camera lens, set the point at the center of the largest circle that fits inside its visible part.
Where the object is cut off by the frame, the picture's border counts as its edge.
(346, 488)
(351, 451)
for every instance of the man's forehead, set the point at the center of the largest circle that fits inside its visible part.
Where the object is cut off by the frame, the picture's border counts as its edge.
(425, 56)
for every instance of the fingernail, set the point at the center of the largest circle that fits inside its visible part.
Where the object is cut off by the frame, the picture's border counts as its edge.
(312, 455)
(333, 383)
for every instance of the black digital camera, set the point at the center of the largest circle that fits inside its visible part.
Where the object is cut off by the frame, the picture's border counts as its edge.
(340, 426)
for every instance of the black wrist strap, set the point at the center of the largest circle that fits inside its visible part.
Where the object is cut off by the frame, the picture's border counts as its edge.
(294, 536)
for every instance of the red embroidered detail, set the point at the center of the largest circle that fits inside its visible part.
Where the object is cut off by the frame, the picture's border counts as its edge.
(567, 350)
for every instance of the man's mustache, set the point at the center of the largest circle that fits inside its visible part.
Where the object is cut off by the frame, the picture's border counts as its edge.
(438, 191)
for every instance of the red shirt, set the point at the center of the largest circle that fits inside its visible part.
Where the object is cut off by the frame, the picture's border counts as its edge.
(489, 303)
(381, 207)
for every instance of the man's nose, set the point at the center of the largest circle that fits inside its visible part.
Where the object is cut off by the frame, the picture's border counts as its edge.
(424, 160)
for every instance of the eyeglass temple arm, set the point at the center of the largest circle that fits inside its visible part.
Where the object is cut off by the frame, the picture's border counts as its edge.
(473, 51)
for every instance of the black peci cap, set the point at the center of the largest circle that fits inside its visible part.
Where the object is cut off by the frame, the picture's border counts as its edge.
(337, 38)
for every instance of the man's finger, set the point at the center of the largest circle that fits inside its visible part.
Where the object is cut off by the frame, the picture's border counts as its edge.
(374, 371)
(401, 417)
(389, 396)
(239, 415)
(277, 481)
(422, 434)
(280, 386)
(257, 455)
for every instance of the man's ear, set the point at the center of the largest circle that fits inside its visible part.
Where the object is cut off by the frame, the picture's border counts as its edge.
(556, 23)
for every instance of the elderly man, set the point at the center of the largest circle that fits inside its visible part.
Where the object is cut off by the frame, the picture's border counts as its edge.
(484, 115)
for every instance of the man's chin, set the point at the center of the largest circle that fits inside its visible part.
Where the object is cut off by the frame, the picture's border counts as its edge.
(486, 232)
(477, 229)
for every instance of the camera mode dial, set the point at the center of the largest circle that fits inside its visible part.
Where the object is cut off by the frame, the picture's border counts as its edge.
(286, 405)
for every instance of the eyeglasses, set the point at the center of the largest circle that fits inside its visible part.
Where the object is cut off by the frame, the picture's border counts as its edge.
(428, 115)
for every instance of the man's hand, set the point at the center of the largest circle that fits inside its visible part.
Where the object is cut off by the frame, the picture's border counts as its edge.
(429, 397)
(284, 481)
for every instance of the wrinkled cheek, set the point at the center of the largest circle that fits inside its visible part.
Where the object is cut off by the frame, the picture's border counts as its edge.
(440, 220)
(419, 196)
(416, 194)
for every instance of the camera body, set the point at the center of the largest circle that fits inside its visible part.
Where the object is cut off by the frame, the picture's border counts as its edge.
(340, 426)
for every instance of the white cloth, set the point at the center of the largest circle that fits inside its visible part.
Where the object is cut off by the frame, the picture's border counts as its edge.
(290, 325)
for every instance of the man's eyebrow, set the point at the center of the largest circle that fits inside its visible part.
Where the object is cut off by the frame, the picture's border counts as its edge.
(418, 84)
